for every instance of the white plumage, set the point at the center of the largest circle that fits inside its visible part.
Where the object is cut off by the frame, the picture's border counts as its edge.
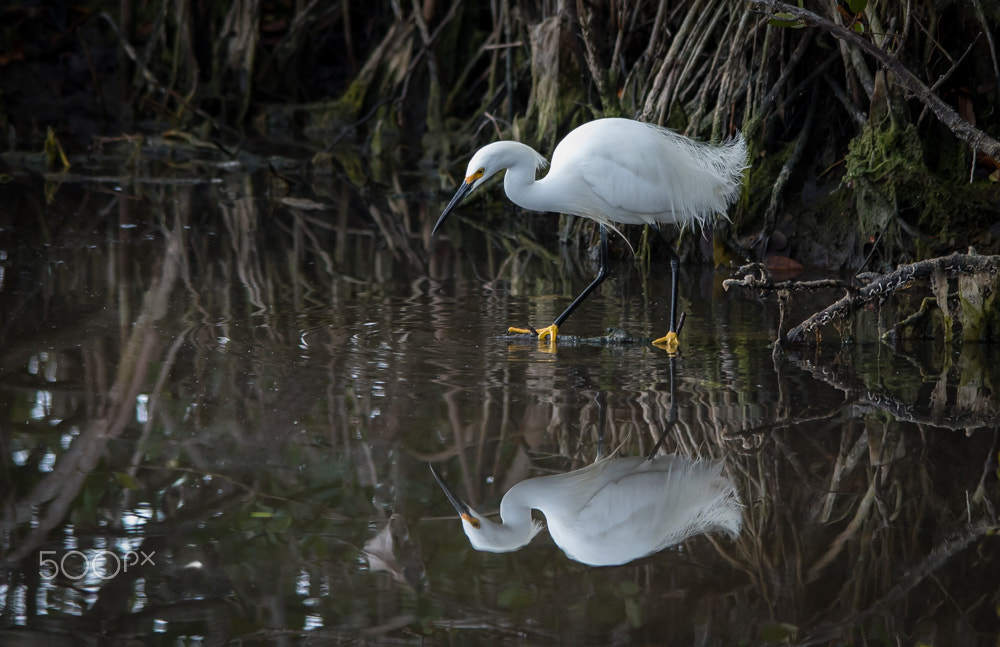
(611, 512)
(616, 171)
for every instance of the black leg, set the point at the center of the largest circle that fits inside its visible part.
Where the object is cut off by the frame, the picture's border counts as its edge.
(601, 275)
(602, 414)
(552, 331)
(675, 267)
(671, 417)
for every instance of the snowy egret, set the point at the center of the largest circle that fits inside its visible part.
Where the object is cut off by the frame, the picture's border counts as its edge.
(616, 171)
(611, 512)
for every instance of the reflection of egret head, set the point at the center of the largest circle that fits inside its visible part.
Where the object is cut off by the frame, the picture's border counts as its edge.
(484, 534)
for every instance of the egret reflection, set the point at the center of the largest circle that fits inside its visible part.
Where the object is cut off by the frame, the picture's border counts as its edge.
(613, 511)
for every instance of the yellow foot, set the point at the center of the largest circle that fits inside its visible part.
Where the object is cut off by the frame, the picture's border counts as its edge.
(542, 333)
(668, 342)
(548, 331)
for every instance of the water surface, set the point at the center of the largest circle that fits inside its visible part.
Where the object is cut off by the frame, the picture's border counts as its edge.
(217, 412)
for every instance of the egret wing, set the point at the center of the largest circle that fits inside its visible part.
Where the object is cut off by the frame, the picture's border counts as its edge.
(647, 174)
(614, 527)
(647, 510)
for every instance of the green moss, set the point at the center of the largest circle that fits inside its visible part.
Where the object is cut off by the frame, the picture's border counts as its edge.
(760, 180)
(895, 191)
(882, 164)
(978, 307)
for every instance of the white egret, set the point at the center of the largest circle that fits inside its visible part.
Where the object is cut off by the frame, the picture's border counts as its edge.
(616, 171)
(611, 512)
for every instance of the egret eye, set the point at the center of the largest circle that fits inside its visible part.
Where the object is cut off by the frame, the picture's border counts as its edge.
(475, 176)
(472, 521)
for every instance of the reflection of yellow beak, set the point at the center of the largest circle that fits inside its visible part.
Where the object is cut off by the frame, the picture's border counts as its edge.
(472, 520)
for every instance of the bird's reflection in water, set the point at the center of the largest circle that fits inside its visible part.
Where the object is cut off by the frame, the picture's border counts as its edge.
(613, 511)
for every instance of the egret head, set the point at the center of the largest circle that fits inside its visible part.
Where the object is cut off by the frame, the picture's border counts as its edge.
(487, 162)
(483, 534)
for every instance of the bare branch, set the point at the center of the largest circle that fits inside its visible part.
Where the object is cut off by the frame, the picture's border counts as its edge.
(962, 129)
(888, 283)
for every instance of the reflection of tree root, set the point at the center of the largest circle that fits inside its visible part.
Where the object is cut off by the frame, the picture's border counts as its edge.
(949, 414)
(914, 320)
(878, 287)
(945, 550)
(954, 407)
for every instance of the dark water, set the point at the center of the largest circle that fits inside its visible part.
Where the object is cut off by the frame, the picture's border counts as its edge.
(217, 413)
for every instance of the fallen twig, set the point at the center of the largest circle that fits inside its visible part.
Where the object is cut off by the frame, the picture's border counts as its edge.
(755, 277)
(884, 285)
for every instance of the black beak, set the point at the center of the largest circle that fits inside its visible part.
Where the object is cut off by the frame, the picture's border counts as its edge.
(460, 506)
(463, 191)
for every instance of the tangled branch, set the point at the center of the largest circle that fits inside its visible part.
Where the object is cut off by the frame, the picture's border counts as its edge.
(962, 129)
(879, 287)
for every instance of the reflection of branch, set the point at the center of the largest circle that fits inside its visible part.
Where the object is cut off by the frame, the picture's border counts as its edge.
(957, 416)
(937, 558)
(849, 533)
(395, 234)
(252, 490)
(64, 483)
(768, 426)
(240, 219)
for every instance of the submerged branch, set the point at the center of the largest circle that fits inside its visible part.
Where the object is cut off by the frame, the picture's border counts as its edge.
(886, 284)
(880, 287)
